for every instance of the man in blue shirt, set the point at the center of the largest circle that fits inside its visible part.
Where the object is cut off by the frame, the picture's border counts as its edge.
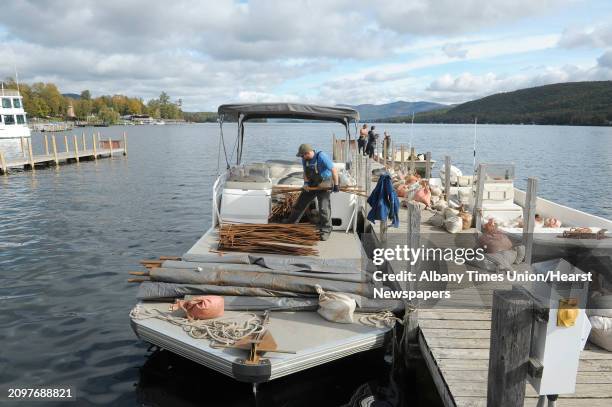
(320, 177)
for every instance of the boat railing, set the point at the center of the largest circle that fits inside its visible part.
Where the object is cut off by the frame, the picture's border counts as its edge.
(9, 92)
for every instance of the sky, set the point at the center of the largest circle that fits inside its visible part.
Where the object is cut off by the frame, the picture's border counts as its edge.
(313, 51)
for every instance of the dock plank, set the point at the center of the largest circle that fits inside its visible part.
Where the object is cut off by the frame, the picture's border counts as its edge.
(454, 339)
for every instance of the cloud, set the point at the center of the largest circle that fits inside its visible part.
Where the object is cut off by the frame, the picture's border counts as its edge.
(454, 50)
(599, 36)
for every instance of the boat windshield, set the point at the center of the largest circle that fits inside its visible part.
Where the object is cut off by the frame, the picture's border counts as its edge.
(6, 103)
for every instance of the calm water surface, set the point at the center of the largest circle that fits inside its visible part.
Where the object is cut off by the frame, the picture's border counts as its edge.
(69, 236)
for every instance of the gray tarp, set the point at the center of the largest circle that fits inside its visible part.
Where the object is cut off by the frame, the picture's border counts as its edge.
(288, 111)
(149, 290)
(270, 281)
(252, 301)
(293, 271)
(335, 266)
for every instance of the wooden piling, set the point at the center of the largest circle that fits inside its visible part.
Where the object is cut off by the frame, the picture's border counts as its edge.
(3, 168)
(124, 143)
(384, 152)
(23, 147)
(428, 164)
(511, 321)
(413, 240)
(94, 144)
(334, 148)
(403, 158)
(110, 147)
(76, 147)
(529, 211)
(46, 145)
(66, 142)
(83, 142)
(447, 175)
(31, 155)
(54, 146)
(412, 159)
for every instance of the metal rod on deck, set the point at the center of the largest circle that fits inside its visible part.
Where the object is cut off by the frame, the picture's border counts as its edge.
(480, 173)
(529, 211)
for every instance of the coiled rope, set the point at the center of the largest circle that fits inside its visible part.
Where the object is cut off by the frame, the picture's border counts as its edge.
(380, 319)
(226, 331)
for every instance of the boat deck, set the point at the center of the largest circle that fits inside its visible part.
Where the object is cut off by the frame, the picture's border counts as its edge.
(454, 337)
(314, 340)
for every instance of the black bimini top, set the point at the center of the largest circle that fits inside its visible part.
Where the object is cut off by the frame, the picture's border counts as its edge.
(288, 111)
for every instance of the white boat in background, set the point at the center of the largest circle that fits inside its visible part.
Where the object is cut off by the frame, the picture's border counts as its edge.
(13, 123)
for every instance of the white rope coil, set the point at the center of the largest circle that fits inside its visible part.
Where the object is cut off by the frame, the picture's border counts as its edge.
(226, 331)
(380, 320)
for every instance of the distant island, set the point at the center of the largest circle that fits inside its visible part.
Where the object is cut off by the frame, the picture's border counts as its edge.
(571, 103)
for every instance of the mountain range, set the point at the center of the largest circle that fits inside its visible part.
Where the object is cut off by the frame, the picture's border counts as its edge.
(369, 112)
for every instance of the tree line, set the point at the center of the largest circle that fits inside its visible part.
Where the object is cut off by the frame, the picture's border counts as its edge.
(44, 100)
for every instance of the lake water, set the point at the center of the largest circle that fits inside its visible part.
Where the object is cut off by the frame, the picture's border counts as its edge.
(68, 237)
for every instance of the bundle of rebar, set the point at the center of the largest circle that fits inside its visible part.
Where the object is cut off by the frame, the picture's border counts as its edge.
(273, 238)
(281, 209)
(278, 189)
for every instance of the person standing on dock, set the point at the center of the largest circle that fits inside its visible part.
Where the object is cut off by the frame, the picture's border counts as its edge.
(320, 177)
(363, 139)
(372, 137)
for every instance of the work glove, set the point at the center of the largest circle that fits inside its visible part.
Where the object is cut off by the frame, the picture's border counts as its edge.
(336, 188)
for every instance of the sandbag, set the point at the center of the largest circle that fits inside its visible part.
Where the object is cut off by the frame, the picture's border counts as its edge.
(600, 305)
(201, 307)
(441, 205)
(453, 224)
(423, 195)
(601, 332)
(336, 307)
(437, 220)
(450, 213)
(436, 191)
(494, 242)
(466, 218)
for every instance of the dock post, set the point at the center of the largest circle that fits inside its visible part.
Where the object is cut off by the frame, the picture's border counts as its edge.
(54, 146)
(384, 152)
(428, 165)
(480, 174)
(46, 145)
(124, 143)
(94, 144)
(402, 157)
(412, 317)
(3, 168)
(30, 154)
(110, 147)
(367, 182)
(66, 142)
(529, 212)
(447, 175)
(83, 142)
(23, 147)
(334, 148)
(511, 319)
(412, 161)
(76, 147)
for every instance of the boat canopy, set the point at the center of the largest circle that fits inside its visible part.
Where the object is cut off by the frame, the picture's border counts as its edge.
(250, 111)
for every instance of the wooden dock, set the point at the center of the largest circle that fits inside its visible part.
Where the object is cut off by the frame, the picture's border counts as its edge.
(454, 336)
(81, 149)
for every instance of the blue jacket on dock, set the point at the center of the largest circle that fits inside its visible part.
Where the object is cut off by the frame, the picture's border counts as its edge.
(384, 202)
